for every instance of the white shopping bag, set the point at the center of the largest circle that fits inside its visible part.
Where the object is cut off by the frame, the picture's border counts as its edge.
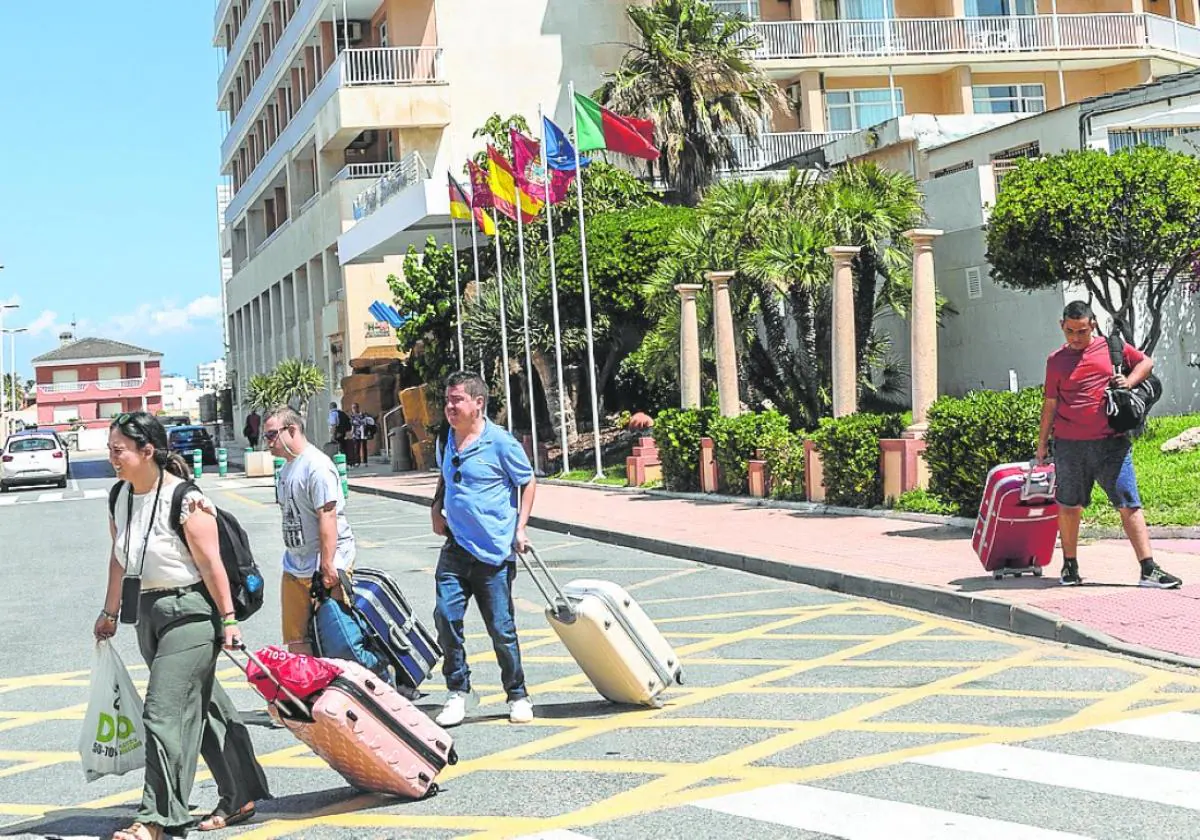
(113, 740)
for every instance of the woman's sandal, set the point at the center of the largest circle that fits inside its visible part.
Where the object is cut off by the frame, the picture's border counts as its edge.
(140, 831)
(219, 819)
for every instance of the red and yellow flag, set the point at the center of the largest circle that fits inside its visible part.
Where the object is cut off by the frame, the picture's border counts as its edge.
(503, 185)
(462, 207)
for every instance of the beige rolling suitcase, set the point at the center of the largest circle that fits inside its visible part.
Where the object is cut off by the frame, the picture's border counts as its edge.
(612, 639)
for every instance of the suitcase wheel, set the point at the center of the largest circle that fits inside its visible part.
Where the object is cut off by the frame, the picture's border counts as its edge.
(679, 677)
(452, 756)
(433, 790)
(998, 575)
(1037, 571)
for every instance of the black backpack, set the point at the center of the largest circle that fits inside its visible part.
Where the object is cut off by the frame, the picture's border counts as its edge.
(1127, 408)
(245, 579)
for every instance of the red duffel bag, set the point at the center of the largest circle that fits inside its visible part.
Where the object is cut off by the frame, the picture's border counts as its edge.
(302, 675)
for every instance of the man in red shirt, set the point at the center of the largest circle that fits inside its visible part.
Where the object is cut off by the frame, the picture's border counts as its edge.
(1086, 449)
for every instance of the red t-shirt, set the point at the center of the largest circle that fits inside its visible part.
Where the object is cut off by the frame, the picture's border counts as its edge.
(1078, 379)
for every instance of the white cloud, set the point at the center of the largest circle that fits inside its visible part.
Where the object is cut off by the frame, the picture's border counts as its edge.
(47, 322)
(163, 317)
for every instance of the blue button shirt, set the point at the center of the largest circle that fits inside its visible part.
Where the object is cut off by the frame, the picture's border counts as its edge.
(481, 507)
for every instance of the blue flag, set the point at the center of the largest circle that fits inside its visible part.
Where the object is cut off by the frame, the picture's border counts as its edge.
(560, 154)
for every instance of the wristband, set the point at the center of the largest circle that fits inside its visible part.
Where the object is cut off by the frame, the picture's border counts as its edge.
(230, 622)
(108, 615)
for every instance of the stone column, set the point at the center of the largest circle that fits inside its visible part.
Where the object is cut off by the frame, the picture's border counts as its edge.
(923, 331)
(845, 369)
(689, 345)
(727, 383)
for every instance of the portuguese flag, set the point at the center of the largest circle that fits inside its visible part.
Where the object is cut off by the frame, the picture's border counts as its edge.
(600, 128)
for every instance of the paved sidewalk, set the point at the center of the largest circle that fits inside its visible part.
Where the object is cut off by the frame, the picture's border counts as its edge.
(927, 566)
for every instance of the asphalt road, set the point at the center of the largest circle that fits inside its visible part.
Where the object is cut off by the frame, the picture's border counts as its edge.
(804, 714)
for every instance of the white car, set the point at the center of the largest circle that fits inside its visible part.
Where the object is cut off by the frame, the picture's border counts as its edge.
(33, 459)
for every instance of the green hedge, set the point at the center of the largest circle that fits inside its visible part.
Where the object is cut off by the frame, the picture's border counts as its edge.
(736, 438)
(677, 434)
(849, 448)
(969, 435)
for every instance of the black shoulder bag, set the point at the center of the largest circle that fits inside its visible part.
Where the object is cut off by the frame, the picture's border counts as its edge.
(1127, 408)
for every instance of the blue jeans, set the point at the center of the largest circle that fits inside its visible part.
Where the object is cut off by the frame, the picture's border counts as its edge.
(459, 576)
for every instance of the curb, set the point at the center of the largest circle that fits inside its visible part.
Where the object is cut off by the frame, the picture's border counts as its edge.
(1086, 531)
(1021, 619)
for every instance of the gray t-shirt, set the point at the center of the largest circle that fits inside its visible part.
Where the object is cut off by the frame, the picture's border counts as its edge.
(306, 484)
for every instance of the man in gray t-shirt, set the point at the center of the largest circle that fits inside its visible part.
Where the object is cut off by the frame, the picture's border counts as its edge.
(316, 534)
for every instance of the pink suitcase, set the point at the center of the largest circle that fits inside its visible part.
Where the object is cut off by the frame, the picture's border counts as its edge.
(1017, 525)
(366, 731)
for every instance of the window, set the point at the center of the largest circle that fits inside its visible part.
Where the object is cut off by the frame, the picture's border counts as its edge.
(61, 377)
(1009, 99)
(32, 444)
(857, 10)
(1000, 8)
(1127, 138)
(111, 373)
(851, 110)
(952, 170)
(65, 413)
(109, 410)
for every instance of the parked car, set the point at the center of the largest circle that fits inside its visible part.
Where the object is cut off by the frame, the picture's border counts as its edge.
(33, 457)
(185, 439)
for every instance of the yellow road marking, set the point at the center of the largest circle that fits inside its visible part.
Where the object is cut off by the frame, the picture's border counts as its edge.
(749, 593)
(245, 499)
(662, 579)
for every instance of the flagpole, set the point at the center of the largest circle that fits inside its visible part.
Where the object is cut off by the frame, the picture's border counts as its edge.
(475, 254)
(457, 294)
(562, 391)
(525, 315)
(587, 289)
(503, 325)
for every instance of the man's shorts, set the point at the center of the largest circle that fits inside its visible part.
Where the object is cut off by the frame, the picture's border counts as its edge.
(1081, 463)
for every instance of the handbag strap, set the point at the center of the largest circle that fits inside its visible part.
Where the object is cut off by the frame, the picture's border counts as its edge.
(149, 527)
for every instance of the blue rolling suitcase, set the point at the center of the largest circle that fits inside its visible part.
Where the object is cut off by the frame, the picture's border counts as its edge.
(410, 647)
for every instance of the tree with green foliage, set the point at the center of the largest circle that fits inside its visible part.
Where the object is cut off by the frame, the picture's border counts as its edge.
(296, 382)
(693, 73)
(1125, 227)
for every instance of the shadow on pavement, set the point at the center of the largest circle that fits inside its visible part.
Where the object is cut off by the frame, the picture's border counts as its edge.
(982, 584)
(933, 532)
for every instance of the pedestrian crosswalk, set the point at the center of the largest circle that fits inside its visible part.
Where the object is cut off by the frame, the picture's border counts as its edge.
(29, 497)
(1097, 763)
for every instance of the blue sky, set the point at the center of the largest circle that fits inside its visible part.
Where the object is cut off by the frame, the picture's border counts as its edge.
(109, 146)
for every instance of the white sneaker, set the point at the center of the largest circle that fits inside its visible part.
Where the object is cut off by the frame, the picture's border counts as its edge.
(454, 711)
(520, 711)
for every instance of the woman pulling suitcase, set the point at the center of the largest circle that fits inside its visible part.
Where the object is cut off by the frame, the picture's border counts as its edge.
(177, 593)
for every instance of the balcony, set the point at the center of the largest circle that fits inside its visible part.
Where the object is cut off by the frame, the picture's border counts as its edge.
(773, 148)
(355, 74)
(985, 36)
(400, 176)
(101, 385)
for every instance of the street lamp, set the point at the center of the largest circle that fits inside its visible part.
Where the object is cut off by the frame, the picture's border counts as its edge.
(12, 347)
(3, 418)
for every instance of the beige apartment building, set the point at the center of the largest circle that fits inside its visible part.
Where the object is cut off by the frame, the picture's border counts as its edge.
(323, 99)
(849, 64)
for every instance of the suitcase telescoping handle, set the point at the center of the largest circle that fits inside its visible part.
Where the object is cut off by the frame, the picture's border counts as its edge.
(560, 604)
(292, 698)
(1041, 480)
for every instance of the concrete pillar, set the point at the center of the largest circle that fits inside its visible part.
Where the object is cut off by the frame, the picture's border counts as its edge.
(727, 382)
(689, 345)
(844, 366)
(924, 330)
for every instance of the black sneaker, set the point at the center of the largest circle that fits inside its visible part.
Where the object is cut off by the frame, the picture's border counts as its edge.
(1070, 573)
(1156, 578)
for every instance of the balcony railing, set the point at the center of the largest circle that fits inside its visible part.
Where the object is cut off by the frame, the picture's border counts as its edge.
(973, 35)
(773, 148)
(410, 170)
(355, 171)
(392, 66)
(271, 238)
(99, 384)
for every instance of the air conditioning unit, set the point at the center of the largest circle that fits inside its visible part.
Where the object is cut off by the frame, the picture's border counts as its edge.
(354, 31)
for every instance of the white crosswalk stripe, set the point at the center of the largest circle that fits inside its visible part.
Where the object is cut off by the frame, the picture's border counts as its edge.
(853, 817)
(1173, 726)
(51, 496)
(1162, 785)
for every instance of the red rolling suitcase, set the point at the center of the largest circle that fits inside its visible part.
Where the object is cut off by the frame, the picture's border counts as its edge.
(1017, 525)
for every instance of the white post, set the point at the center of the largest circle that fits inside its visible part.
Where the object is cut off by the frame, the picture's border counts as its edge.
(475, 255)
(562, 391)
(525, 317)
(503, 325)
(457, 296)
(587, 291)
(4, 402)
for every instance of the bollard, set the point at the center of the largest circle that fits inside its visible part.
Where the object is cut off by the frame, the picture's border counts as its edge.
(246, 460)
(279, 462)
(197, 463)
(339, 461)
(222, 462)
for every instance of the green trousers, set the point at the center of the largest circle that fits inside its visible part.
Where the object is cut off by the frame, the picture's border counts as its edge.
(188, 714)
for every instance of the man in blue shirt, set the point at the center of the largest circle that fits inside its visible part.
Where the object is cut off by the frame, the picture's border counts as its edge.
(484, 473)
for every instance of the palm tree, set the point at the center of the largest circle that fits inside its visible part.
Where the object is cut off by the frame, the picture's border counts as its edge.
(694, 75)
(296, 382)
(261, 392)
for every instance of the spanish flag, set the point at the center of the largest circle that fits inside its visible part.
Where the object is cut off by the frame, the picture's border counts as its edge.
(462, 208)
(503, 184)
